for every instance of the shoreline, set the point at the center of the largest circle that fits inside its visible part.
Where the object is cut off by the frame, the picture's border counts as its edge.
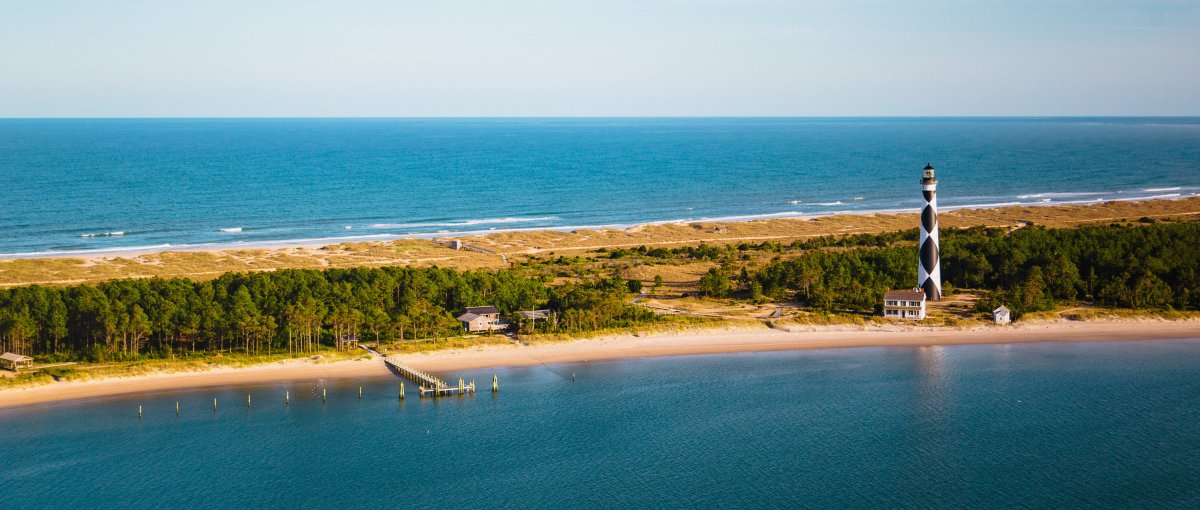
(498, 249)
(617, 347)
(320, 242)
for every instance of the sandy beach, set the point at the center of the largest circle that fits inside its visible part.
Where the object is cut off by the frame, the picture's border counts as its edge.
(749, 339)
(515, 246)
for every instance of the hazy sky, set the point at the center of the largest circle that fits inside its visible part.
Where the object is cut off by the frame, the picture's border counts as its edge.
(596, 57)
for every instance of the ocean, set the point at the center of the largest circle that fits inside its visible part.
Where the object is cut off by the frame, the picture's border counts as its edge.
(77, 186)
(1053, 425)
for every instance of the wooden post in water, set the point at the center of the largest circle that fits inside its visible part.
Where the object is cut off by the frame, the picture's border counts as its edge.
(139, 411)
(323, 395)
(287, 397)
(460, 386)
(401, 390)
(495, 383)
(176, 408)
(214, 405)
(247, 401)
(360, 392)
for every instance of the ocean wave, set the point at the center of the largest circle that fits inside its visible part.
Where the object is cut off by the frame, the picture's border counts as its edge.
(1159, 190)
(726, 219)
(463, 223)
(104, 234)
(522, 224)
(1167, 196)
(1063, 194)
(231, 230)
(992, 205)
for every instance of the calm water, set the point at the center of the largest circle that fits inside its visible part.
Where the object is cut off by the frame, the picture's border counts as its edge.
(68, 184)
(1048, 426)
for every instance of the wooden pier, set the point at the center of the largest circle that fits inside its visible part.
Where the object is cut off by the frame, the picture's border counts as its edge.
(427, 383)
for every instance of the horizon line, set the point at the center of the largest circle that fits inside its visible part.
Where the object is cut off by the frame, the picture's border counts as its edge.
(517, 117)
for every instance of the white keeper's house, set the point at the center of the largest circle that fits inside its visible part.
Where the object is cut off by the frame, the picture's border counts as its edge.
(904, 304)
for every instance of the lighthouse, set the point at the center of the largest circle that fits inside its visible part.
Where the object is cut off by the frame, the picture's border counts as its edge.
(929, 268)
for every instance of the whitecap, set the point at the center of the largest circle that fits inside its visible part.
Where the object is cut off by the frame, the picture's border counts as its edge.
(1166, 196)
(463, 223)
(1061, 194)
(231, 230)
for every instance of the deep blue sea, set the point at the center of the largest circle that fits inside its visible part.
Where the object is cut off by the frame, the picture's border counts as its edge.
(1070, 425)
(114, 185)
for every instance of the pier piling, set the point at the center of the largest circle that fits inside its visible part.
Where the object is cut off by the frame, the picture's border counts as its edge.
(247, 401)
(495, 383)
(214, 405)
(401, 390)
(360, 392)
(287, 397)
(139, 411)
(176, 408)
(323, 395)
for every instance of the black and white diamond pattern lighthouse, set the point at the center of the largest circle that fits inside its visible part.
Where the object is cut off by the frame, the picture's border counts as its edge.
(929, 270)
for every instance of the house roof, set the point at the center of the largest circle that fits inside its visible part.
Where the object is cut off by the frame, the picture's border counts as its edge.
(468, 317)
(1003, 309)
(904, 295)
(8, 356)
(482, 310)
(534, 314)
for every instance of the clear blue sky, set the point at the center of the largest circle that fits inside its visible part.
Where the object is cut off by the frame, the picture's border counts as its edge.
(596, 57)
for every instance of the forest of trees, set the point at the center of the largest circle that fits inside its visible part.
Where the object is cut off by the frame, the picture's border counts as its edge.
(293, 311)
(1153, 266)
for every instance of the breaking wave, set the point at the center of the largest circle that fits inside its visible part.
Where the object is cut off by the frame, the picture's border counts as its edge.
(464, 223)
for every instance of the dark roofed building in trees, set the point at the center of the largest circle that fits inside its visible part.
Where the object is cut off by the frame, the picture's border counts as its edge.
(482, 318)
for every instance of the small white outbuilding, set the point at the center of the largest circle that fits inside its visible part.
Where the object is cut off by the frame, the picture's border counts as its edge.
(1002, 315)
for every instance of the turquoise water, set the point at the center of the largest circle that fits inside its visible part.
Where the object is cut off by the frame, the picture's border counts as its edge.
(998, 426)
(73, 185)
